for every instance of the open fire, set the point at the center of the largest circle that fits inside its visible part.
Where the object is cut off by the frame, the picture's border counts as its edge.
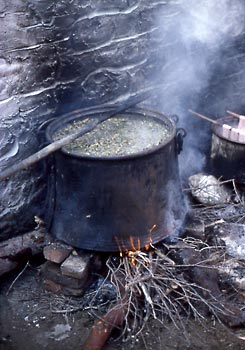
(136, 245)
(153, 275)
(119, 207)
(165, 281)
(158, 274)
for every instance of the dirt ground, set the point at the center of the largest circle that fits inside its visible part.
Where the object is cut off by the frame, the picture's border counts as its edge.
(27, 321)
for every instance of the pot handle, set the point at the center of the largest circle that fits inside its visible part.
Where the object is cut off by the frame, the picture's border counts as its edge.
(174, 118)
(180, 135)
(42, 132)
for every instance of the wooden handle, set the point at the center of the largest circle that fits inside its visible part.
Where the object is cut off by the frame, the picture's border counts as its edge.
(235, 114)
(54, 146)
(44, 152)
(204, 117)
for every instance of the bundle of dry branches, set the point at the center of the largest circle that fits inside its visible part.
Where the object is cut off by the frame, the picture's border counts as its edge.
(154, 284)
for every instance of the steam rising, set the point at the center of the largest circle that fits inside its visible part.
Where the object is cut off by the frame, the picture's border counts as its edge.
(203, 74)
(211, 22)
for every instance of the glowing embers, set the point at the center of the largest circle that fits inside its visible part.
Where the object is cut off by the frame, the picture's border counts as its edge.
(132, 255)
(136, 244)
(137, 251)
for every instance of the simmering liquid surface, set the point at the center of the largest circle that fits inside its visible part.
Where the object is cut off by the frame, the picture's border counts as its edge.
(117, 136)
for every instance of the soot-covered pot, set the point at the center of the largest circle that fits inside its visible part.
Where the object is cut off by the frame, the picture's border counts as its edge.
(227, 157)
(111, 202)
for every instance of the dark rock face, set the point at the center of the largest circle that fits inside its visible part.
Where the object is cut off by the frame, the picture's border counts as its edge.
(56, 56)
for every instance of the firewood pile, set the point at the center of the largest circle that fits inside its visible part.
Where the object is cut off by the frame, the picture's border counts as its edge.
(170, 282)
(16, 251)
(188, 278)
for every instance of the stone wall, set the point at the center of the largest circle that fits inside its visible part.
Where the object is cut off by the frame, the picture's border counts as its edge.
(57, 56)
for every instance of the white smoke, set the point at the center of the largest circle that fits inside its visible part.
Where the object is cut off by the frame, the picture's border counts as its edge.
(212, 21)
(198, 34)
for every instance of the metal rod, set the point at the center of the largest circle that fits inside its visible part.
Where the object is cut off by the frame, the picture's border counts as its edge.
(204, 117)
(54, 146)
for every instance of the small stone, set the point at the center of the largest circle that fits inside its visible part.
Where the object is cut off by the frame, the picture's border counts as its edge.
(232, 271)
(232, 235)
(52, 271)
(76, 267)
(208, 190)
(57, 252)
(75, 292)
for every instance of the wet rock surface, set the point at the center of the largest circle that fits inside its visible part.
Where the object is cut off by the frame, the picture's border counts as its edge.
(56, 57)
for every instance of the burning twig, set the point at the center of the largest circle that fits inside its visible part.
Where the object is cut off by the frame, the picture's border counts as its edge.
(155, 285)
(164, 283)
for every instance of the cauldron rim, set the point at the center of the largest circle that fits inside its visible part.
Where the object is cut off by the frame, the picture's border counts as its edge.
(59, 123)
(216, 129)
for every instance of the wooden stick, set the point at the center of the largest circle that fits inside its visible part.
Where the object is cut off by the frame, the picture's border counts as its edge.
(235, 114)
(20, 248)
(54, 146)
(204, 117)
(44, 152)
(102, 329)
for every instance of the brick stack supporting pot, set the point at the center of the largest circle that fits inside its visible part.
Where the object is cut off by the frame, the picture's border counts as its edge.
(66, 270)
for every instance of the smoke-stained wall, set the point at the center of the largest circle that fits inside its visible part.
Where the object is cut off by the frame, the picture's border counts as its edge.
(56, 56)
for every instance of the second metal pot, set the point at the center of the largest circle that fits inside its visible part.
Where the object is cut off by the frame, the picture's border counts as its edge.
(227, 157)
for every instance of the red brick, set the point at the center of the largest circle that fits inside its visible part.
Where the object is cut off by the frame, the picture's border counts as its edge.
(52, 271)
(76, 267)
(56, 288)
(57, 252)
(51, 286)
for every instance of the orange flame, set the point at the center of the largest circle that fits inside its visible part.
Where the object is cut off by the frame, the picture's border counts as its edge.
(135, 245)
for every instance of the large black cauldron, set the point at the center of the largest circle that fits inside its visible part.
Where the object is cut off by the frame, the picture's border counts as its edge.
(121, 202)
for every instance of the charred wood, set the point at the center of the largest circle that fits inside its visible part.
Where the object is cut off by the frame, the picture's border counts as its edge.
(102, 328)
(18, 249)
